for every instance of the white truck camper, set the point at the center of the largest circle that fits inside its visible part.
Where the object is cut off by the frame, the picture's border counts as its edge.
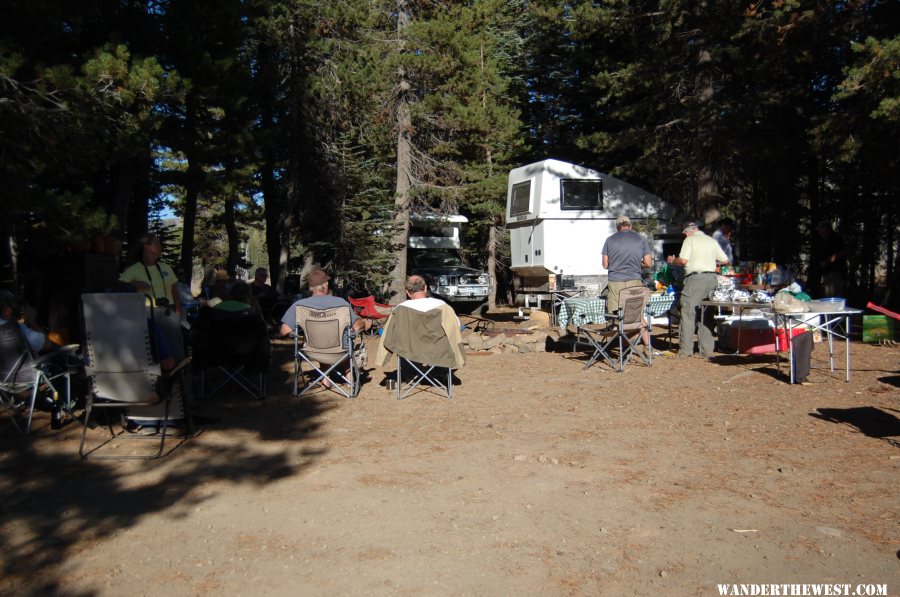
(559, 215)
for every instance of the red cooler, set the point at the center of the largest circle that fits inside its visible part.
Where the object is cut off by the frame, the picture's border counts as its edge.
(761, 341)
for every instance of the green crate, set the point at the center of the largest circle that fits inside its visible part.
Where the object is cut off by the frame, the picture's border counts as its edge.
(877, 328)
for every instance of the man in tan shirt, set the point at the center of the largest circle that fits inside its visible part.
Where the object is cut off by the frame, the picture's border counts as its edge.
(700, 255)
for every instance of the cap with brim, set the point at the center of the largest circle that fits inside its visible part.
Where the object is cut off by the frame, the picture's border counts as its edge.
(688, 225)
(317, 277)
(623, 220)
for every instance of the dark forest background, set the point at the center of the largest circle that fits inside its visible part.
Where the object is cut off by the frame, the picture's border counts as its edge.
(310, 129)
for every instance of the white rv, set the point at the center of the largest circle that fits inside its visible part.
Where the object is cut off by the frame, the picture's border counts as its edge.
(559, 215)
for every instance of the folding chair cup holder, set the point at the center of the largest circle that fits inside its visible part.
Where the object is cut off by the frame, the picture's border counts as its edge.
(325, 343)
(621, 333)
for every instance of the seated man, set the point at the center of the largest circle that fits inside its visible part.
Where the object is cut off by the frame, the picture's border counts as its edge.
(238, 300)
(10, 311)
(263, 292)
(218, 292)
(406, 340)
(320, 299)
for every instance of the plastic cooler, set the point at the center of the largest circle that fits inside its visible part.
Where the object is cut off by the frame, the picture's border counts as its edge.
(760, 341)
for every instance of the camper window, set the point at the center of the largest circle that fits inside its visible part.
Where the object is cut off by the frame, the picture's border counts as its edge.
(521, 198)
(581, 194)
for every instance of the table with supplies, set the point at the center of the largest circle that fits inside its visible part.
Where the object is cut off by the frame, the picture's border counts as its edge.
(736, 307)
(832, 324)
(580, 311)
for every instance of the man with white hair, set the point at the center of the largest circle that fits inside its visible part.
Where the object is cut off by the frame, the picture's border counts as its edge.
(700, 255)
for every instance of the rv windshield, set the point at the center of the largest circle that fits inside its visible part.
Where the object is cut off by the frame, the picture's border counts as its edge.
(427, 260)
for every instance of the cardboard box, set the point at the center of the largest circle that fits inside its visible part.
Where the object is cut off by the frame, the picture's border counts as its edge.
(877, 328)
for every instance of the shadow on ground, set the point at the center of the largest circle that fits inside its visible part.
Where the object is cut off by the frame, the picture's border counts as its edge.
(53, 501)
(869, 420)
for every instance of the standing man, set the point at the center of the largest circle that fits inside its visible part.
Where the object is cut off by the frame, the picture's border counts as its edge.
(624, 254)
(723, 236)
(700, 255)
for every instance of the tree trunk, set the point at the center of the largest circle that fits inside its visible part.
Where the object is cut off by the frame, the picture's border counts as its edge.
(8, 254)
(231, 232)
(274, 224)
(492, 266)
(707, 188)
(404, 168)
(192, 186)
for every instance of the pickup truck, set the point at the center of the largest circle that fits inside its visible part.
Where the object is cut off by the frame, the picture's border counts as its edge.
(434, 253)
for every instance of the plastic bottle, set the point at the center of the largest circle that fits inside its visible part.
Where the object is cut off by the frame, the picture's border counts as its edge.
(670, 289)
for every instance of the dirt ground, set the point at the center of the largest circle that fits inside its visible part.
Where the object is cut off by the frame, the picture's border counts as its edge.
(538, 477)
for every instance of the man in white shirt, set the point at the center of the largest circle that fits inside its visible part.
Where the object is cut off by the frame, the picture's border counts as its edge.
(441, 346)
(700, 255)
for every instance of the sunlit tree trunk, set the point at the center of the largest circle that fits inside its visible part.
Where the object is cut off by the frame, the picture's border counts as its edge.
(404, 168)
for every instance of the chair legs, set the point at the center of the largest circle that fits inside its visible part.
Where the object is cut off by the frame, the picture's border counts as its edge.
(422, 373)
(255, 387)
(173, 389)
(625, 346)
(323, 377)
(123, 433)
(20, 408)
(19, 400)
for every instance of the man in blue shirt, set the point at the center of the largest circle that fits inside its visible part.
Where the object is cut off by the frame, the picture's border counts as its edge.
(9, 311)
(320, 299)
(624, 254)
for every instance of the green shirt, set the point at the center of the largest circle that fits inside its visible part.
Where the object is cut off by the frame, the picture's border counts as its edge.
(162, 279)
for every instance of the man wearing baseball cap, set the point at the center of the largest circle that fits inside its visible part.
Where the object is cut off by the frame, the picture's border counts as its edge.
(624, 254)
(700, 255)
(317, 280)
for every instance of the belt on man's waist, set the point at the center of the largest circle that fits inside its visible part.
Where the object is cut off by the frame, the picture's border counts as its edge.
(695, 273)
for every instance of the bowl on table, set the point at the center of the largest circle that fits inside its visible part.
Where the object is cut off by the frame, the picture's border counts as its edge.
(827, 304)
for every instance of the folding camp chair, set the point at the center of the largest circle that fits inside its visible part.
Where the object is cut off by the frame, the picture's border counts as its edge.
(367, 308)
(122, 367)
(325, 338)
(236, 345)
(623, 331)
(24, 376)
(426, 350)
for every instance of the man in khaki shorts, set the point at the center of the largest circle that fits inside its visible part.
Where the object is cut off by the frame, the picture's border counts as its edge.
(624, 254)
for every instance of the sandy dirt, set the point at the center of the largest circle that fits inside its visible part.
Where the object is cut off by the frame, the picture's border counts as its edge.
(538, 477)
